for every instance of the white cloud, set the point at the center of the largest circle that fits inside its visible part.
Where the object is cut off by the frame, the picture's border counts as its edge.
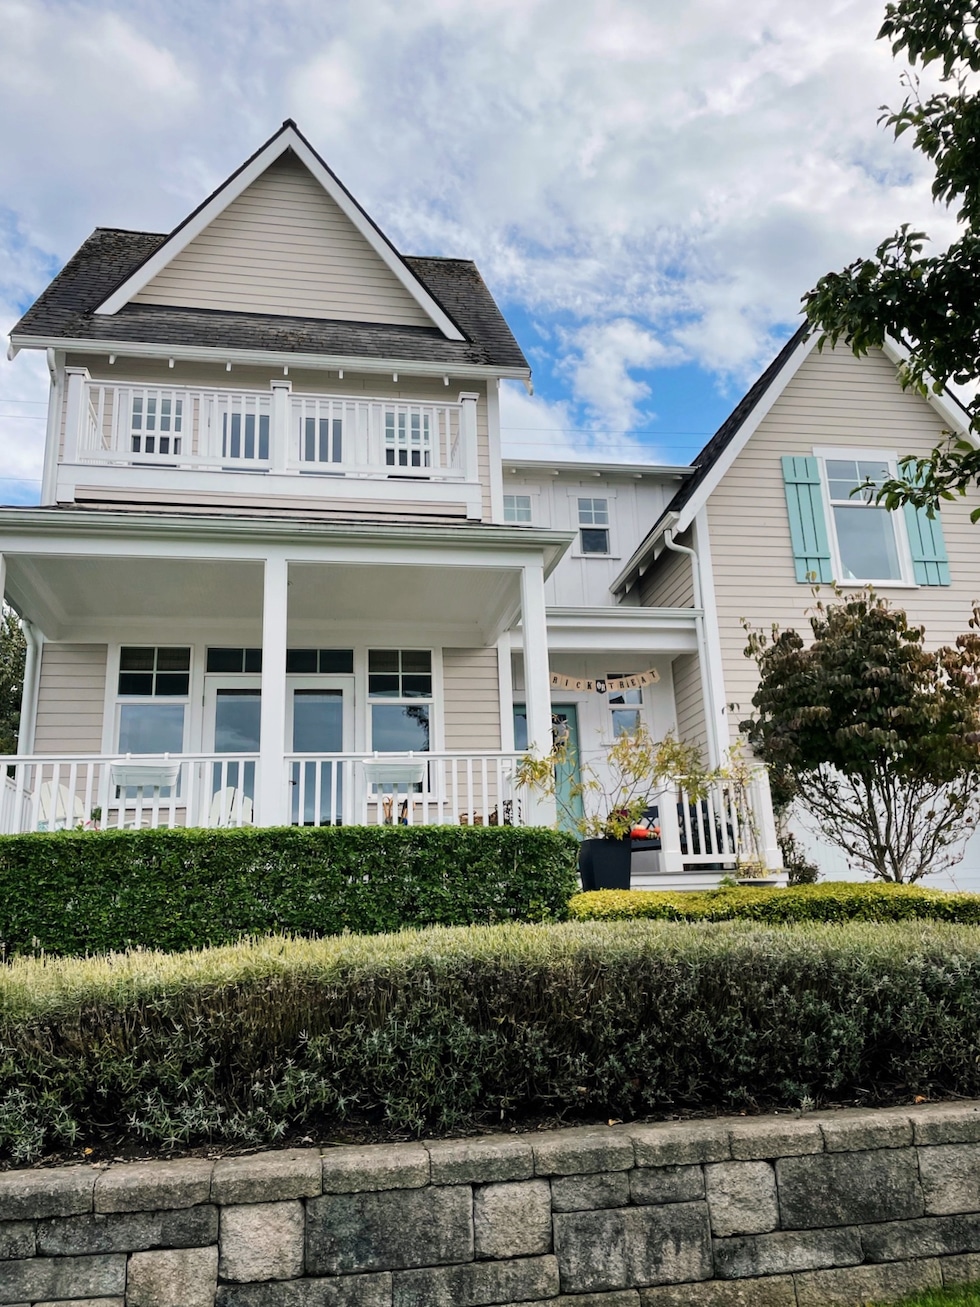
(646, 178)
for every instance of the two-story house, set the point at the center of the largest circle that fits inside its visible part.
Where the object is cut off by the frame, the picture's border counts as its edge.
(279, 571)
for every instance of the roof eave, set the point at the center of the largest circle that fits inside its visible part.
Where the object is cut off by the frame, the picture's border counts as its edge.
(275, 358)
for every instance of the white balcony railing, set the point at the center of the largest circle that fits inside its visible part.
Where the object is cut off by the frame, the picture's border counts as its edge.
(273, 431)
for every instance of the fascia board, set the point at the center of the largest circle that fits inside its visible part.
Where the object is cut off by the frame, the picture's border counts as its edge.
(745, 433)
(944, 402)
(645, 550)
(212, 354)
(59, 524)
(287, 139)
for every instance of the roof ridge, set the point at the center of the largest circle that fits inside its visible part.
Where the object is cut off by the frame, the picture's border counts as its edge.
(131, 231)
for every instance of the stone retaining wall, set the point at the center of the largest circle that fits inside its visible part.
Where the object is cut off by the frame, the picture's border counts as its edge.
(777, 1211)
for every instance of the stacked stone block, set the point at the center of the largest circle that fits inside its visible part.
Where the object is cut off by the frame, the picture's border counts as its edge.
(832, 1208)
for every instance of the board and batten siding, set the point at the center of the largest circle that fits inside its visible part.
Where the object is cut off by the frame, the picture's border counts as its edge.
(71, 698)
(471, 699)
(285, 246)
(838, 400)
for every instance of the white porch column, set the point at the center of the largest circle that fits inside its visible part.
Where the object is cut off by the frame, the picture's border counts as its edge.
(271, 794)
(537, 679)
(760, 802)
(74, 412)
(279, 433)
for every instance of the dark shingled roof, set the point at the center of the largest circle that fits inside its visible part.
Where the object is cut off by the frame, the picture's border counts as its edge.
(731, 426)
(67, 310)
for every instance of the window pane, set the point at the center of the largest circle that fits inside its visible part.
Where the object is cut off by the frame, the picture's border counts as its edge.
(151, 728)
(225, 660)
(383, 686)
(136, 660)
(253, 660)
(172, 683)
(173, 660)
(136, 683)
(520, 729)
(595, 540)
(337, 662)
(517, 508)
(625, 720)
(416, 687)
(300, 660)
(399, 728)
(866, 540)
(236, 721)
(383, 660)
(318, 721)
(416, 660)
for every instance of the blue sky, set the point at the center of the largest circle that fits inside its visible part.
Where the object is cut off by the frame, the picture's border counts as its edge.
(648, 188)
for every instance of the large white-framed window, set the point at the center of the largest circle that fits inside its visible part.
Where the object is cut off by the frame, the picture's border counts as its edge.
(592, 516)
(153, 694)
(868, 543)
(400, 700)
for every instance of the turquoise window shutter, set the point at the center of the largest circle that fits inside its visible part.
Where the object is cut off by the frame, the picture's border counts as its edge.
(807, 528)
(930, 561)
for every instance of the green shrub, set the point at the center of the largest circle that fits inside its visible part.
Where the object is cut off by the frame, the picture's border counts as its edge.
(829, 901)
(76, 892)
(437, 1030)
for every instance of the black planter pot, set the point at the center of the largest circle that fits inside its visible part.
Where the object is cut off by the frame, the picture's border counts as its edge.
(605, 864)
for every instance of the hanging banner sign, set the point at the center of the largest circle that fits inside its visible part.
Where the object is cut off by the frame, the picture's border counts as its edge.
(610, 685)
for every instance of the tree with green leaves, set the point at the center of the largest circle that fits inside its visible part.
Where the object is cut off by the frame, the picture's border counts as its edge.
(928, 303)
(13, 649)
(872, 734)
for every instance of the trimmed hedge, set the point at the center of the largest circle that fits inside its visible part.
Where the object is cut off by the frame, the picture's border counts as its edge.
(76, 892)
(435, 1031)
(829, 901)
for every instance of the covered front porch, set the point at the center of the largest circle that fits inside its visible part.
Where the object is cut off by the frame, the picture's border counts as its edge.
(214, 673)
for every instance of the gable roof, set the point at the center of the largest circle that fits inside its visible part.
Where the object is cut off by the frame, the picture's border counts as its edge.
(287, 139)
(65, 312)
(730, 439)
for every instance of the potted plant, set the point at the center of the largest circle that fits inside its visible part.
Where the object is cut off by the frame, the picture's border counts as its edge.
(638, 772)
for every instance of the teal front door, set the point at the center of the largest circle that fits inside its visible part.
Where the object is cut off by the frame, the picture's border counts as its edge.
(564, 724)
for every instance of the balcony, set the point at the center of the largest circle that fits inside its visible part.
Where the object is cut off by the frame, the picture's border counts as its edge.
(305, 446)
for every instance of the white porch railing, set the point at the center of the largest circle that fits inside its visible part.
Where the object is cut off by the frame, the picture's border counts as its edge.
(260, 431)
(97, 792)
(720, 829)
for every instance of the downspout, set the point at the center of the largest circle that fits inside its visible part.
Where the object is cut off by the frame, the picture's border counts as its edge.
(714, 749)
(28, 699)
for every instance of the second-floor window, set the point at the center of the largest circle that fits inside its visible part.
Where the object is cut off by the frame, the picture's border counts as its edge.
(866, 535)
(408, 438)
(593, 521)
(156, 423)
(517, 508)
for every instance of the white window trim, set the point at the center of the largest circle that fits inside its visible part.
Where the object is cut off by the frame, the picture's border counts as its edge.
(575, 493)
(115, 700)
(907, 580)
(436, 739)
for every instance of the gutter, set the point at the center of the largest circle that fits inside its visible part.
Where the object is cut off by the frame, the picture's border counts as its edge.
(714, 750)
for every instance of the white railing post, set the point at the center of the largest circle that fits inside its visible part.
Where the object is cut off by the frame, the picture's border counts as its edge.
(467, 434)
(537, 682)
(76, 412)
(671, 857)
(279, 426)
(760, 804)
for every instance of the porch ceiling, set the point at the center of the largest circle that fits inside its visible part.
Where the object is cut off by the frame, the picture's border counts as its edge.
(66, 597)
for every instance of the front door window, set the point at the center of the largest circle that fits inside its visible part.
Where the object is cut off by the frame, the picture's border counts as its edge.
(319, 723)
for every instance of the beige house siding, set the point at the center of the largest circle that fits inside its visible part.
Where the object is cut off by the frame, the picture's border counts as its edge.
(471, 699)
(670, 581)
(71, 699)
(688, 701)
(284, 246)
(836, 400)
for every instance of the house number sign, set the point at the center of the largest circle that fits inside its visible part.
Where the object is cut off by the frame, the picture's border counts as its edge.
(608, 685)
